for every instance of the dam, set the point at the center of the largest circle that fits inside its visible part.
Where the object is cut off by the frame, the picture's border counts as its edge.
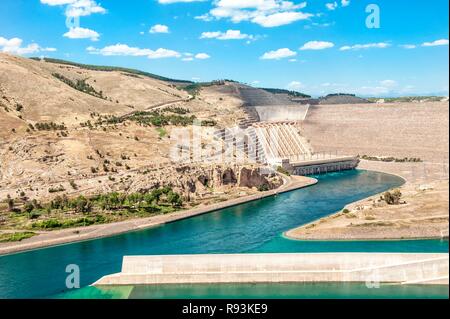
(395, 268)
(270, 134)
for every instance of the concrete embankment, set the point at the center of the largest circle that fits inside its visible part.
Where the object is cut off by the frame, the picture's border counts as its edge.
(266, 268)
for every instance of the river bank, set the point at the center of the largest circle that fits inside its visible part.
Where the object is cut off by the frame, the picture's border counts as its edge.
(423, 213)
(53, 238)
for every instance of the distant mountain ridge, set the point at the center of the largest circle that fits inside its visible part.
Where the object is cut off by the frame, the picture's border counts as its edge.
(111, 69)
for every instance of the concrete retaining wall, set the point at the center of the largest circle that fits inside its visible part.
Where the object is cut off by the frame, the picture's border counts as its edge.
(259, 268)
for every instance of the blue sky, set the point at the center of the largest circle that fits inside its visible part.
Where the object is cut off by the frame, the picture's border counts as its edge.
(315, 46)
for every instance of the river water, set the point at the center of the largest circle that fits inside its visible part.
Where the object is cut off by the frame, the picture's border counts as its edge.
(253, 227)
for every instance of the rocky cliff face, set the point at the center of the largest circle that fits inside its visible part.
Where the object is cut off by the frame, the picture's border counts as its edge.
(193, 181)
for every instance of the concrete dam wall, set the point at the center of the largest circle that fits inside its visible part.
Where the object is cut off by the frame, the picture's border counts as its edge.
(282, 112)
(266, 268)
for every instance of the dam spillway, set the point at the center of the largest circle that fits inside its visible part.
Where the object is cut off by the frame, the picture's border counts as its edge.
(278, 268)
(270, 134)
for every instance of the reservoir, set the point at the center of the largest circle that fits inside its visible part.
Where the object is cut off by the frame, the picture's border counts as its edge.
(254, 227)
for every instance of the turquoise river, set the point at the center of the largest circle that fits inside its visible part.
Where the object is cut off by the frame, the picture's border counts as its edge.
(248, 228)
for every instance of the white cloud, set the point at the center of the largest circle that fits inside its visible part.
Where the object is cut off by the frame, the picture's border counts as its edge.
(388, 83)
(125, 50)
(82, 33)
(57, 2)
(119, 50)
(435, 43)
(82, 8)
(177, 1)
(77, 8)
(380, 45)
(14, 46)
(408, 46)
(228, 35)
(317, 45)
(334, 5)
(278, 54)
(161, 53)
(331, 6)
(159, 28)
(295, 85)
(202, 56)
(266, 13)
(385, 87)
(280, 18)
(205, 17)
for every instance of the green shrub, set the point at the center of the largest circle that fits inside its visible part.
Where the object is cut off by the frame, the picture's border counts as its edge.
(283, 171)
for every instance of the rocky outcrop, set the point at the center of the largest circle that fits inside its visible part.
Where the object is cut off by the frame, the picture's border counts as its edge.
(252, 178)
(193, 181)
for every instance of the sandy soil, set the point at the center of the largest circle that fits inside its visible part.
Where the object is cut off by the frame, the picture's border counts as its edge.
(424, 213)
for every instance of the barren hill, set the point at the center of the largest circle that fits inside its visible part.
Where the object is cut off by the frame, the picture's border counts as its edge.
(64, 123)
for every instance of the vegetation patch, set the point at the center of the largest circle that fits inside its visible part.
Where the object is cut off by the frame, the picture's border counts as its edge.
(50, 126)
(283, 171)
(288, 92)
(80, 85)
(15, 237)
(63, 212)
(391, 159)
(162, 132)
(110, 69)
(410, 99)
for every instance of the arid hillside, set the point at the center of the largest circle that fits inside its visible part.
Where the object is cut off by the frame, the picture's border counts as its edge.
(64, 123)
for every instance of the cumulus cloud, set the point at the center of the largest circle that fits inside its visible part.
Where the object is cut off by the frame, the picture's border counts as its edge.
(191, 57)
(202, 56)
(408, 46)
(125, 50)
(84, 8)
(317, 45)
(161, 53)
(295, 85)
(266, 13)
(57, 2)
(435, 43)
(379, 45)
(14, 46)
(228, 35)
(82, 33)
(177, 1)
(331, 6)
(77, 8)
(388, 83)
(278, 54)
(334, 5)
(159, 28)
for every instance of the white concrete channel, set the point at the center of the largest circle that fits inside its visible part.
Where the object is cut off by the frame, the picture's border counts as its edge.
(398, 268)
